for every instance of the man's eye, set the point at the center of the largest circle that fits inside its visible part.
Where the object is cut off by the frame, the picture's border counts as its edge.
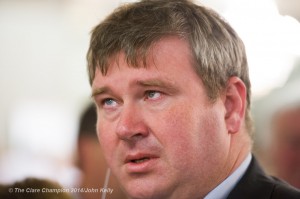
(109, 103)
(153, 95)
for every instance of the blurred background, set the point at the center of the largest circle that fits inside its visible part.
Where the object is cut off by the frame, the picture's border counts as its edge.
(43, 79)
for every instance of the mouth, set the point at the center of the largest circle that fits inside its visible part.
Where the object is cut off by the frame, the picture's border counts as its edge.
(139, 160)
(140, 163)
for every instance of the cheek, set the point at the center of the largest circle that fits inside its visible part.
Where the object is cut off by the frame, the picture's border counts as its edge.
(193, 135)
(180, 133)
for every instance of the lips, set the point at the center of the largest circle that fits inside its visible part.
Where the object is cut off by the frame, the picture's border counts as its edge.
(140, 163)
(139, 158)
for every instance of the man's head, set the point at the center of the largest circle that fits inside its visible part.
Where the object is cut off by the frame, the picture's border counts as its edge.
(170, 82)
(217, 51)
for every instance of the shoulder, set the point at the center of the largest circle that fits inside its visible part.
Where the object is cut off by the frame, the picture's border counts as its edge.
(256, 184)
(283, 190)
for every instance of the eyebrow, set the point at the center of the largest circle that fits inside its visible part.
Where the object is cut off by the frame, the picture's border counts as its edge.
(156, 83)
(99, 91)
(142, 83)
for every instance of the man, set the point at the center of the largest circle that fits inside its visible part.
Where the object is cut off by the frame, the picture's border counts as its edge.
(170, 81)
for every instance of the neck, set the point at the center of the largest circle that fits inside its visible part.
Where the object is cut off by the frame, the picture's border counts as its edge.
(241, 145)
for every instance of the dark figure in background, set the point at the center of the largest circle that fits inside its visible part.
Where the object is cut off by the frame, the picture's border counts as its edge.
(91, 160)
(171, 86)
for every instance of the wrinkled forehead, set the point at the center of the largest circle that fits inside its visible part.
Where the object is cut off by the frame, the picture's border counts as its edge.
(145, 58)
(168, 59)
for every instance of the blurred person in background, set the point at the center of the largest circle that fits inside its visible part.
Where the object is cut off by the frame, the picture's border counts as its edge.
(91, 160)
(278, 120)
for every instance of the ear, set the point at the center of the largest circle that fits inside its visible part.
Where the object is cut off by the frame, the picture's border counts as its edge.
(235, 103)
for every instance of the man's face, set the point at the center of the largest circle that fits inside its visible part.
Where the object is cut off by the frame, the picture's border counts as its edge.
(161, 135)
(286, 146)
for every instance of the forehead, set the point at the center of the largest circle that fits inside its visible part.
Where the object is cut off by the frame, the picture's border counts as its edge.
(169, 56)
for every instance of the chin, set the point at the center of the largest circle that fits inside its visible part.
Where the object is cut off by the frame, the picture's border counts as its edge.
(141, 189)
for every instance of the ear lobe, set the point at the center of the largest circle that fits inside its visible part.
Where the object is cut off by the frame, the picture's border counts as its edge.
(235, 103)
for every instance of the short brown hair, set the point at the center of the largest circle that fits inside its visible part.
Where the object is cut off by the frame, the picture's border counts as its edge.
(133, 28)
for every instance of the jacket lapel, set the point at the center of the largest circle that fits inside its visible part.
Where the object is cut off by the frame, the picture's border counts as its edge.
(253, 185)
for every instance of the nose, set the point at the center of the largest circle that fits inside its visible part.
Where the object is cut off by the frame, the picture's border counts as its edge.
(131, 125)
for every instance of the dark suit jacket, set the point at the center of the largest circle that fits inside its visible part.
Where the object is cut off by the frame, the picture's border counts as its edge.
(255, 184)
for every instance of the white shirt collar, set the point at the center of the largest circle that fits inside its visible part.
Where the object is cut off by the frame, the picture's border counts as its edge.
(223, 189)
